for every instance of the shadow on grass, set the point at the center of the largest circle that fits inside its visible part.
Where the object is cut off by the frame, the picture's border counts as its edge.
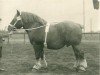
(56, 69)
(52, 68)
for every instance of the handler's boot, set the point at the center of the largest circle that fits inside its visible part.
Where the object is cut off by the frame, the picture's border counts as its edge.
(1, 69)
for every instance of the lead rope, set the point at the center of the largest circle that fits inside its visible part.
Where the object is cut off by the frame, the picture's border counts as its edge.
(46, 33)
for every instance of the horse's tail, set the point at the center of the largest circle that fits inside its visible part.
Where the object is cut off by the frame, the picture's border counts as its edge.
(81, 26)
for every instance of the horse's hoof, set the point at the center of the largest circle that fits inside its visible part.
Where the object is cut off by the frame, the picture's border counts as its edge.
(74, 68)
(36, 67)
(80, 69)
(44, 66)
(34, 70)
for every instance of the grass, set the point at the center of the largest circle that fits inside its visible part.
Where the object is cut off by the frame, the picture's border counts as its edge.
(18, 59)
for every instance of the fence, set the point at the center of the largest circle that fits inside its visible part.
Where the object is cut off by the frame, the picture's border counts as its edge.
(23, 38)
(91, 37)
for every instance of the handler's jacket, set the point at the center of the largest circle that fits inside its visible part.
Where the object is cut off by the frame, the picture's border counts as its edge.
(1, 40)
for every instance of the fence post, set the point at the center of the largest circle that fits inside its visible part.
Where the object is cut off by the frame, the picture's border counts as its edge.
(24, 38)
(8, 39)
(99, 36)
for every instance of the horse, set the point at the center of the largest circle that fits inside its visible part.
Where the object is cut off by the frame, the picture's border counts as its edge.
(56, 36)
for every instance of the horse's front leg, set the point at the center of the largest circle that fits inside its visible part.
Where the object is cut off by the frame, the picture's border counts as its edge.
(40, 57)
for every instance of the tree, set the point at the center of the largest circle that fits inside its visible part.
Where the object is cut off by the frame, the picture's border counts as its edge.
(96, 4)
(0, 19)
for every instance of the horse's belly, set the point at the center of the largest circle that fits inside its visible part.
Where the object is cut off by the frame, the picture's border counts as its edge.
(55, 45)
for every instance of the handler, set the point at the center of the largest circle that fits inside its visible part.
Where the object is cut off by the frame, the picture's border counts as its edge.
(1, 44)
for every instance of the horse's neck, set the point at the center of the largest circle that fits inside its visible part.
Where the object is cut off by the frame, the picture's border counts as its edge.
(36, 34)
(27, 25)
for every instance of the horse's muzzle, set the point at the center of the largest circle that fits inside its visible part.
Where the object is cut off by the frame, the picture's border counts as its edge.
(11, 29)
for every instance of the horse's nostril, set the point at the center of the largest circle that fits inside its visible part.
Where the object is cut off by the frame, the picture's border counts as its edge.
(14, 29)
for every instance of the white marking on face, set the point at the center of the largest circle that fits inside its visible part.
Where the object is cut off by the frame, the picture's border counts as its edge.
(18, 18)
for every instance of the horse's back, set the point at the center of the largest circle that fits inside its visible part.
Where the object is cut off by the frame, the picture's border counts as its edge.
(71, 31)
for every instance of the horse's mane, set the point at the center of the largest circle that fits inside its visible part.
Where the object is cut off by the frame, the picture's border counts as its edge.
(32, 18)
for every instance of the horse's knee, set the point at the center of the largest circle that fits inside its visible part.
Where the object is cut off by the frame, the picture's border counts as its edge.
(39, 54)
(38, 51)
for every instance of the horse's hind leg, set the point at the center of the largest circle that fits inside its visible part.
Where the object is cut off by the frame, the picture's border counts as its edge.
(39, 54)
(80, 63)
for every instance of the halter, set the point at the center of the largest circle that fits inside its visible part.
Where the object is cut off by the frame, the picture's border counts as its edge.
(18, 19)
(46, 29)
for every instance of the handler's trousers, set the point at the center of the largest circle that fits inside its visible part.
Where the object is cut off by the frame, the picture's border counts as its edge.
(0, 52)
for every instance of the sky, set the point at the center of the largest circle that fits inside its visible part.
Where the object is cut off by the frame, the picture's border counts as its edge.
(52, 11)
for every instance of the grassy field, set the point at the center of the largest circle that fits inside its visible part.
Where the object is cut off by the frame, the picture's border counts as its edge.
(18, 59)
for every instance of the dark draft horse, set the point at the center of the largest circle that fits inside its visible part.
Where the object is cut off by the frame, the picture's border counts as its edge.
(59, 34)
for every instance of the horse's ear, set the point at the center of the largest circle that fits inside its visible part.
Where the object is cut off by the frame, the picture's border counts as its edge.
(18, 12)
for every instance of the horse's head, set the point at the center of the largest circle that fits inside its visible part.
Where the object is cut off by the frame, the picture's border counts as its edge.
(16, 23)
(26, 20)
